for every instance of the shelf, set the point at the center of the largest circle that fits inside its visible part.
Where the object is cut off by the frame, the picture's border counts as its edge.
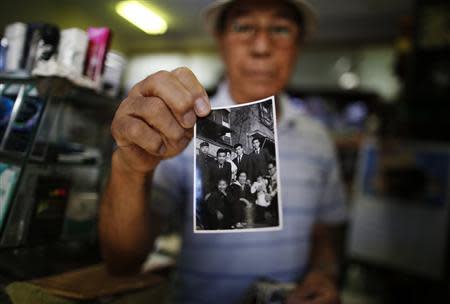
(13, 158)
(69, 113)
(63, 88)
(17, 76)
(92, 99)
(65, 164)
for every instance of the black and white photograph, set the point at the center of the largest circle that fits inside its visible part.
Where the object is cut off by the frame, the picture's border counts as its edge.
(236, 181)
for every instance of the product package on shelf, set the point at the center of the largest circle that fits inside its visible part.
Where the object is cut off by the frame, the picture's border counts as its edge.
(70, 59)
(41, 45)
(27, 44)
(3, 51)
(112, 76)
(15, 35)
(99, 39)
(72, 50)
(42, 49)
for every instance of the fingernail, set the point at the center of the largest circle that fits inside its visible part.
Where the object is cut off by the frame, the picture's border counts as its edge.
(201, 106)
(162, 150)
(189, 118)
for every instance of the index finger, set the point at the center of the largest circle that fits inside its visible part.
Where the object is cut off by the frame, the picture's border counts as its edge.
(202, 105)
(167, 87)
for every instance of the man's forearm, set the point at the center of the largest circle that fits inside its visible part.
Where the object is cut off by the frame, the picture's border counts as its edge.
(124, 221)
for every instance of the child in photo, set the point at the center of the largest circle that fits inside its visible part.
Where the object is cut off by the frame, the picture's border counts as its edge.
(216, 208)
(262, 198)
(260, 187)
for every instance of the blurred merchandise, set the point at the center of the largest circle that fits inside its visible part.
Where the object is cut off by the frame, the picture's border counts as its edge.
(426, 72)
(345, 118)
(6, 107)
(41, 49)
(57, 134)
(434, 25)
(47, 47)
(41, 45)
(72, 50)
(69, 61)
(67, 153)
(269, 292)
(85, 156)
(8, 178)
(3, 52)
(24, 124)
(32, 38)
(51, 197)
(112, 77)
(81, 215)
(349, 116)
(15, 35)
(99, 39)
(401, 204)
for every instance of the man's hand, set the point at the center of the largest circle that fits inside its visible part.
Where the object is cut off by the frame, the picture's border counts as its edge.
(155, 121)
(316, 288)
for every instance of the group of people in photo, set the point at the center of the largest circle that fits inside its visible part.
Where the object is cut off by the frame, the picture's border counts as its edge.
(239, 192)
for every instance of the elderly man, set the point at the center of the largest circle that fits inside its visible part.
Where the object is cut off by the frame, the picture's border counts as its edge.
(259, 41)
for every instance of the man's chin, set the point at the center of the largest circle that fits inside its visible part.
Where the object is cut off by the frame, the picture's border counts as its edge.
(260, 93)
(251, 90)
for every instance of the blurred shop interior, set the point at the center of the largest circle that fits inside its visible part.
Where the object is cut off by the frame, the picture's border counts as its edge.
(377, 75)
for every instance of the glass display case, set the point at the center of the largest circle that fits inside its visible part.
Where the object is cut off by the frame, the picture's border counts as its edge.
(55, 147)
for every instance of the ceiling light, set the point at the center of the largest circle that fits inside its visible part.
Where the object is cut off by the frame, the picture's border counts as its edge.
(142, 17)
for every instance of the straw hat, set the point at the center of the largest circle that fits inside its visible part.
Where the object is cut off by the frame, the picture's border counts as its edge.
(213, 11)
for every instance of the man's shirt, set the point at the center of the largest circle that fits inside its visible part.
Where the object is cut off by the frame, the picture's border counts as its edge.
(220, 268)
(243, 164)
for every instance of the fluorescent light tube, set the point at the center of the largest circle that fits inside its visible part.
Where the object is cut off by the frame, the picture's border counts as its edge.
(142, 17)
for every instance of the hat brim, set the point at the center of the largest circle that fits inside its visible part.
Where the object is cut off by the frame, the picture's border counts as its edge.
(212, 12)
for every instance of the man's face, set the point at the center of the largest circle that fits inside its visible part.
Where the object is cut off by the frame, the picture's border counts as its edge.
(242, 178)
(221, 157)
(222, 186)
(204, 149)
(256, 144)
(239, 150)
(271, 169)
(259, 45)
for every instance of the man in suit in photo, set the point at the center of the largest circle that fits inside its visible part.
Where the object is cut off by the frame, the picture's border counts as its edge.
(259, 159)
(204, 162)
(221, 169)
(242, 160)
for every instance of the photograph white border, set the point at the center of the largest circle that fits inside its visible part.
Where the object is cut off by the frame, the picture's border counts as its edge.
(280, 209)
